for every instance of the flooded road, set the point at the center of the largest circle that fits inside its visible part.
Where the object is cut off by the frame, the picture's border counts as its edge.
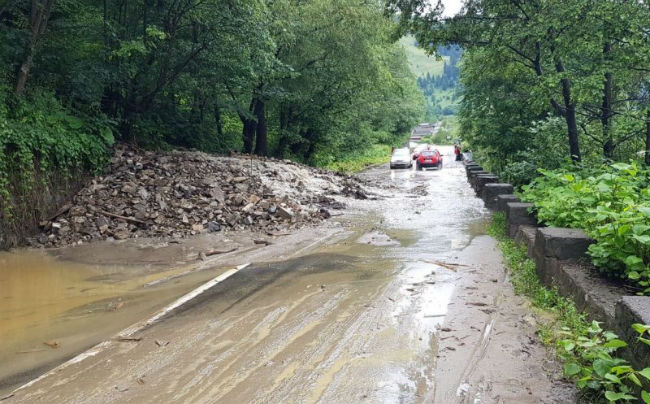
(52, 309)
(411, 304)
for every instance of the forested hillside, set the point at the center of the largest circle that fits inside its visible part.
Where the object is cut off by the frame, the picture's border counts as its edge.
(314, 81)
(438, 76)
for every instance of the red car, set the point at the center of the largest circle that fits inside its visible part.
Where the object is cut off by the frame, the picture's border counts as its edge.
(429, 158)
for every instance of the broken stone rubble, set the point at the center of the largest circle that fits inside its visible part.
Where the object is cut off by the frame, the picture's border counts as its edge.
(183, 193)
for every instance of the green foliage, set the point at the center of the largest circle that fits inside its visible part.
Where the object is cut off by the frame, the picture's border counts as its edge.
(375, 154)
(447, 134)
(544, 81)
(588, 351)
(304, 75)
(590, 360)
(39, 134)
(43, 147)
(544, 138)
(612, 204)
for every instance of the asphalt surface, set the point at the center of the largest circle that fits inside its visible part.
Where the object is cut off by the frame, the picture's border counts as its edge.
(410, 304)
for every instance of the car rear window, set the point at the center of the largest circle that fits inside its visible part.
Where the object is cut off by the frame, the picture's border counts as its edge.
(428, 153)
(401, 152)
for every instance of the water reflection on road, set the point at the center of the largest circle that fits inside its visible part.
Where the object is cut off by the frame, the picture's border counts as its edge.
(352, 321)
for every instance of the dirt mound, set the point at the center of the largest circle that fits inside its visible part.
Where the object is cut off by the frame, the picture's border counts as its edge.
(179, 194)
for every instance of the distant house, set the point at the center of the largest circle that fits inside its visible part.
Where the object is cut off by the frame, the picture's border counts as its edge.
(422, 130)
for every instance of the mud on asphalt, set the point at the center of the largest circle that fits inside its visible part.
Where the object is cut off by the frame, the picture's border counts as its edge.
(403, 298)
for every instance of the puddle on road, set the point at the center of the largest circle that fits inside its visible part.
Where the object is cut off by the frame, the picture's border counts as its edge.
(71, 307)
(356, 320)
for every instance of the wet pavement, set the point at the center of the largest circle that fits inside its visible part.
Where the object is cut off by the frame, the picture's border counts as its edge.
(53, 309)
(410, 304)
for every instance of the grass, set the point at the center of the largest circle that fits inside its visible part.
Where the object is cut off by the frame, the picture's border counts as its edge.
(561, 312)
(557, 311)
(375, 154)
(420, 62)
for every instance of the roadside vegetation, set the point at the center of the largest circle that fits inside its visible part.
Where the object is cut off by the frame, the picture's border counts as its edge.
(317, 82)
(447, 134)
(364, 158)
(588, 352)
(612, 204)
(552, 81)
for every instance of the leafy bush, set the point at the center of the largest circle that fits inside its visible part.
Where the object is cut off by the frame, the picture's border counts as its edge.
(544, 150)
(590, 360)
(612, 204)
(43, 150)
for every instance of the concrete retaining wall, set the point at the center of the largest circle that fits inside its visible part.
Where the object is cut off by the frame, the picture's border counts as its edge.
(503, 199)
(518, 214)
(490, 192)
(561, 261)
(483, 179)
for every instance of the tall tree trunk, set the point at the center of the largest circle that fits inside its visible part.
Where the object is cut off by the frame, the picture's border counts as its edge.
(217, 119)
(23, 73)
(311, 149)
(537, 67)
(39, 16)
(284, 126)
(260, 137)
(647, 138)
(606, 110)
(248, 131)
(569, 114)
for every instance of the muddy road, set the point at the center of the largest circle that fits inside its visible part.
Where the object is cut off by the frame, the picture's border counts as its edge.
(405, 299)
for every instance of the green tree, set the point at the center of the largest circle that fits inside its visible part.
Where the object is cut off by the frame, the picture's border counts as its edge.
(587, 61)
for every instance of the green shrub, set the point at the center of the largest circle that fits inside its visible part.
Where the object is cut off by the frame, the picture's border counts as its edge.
(43, 150)
(591, 361)
(375, 154)
(612, 204)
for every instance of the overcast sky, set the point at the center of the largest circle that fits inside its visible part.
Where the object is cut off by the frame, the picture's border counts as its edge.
(452, 6)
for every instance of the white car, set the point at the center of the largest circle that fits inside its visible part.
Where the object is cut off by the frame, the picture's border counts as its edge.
(401, 158)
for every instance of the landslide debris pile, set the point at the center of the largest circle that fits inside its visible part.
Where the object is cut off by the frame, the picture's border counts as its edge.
(179, 194)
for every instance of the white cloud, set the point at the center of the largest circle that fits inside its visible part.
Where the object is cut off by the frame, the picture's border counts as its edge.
(452, 7)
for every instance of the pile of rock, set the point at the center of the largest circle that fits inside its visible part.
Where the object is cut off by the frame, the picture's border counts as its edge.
(178, 194)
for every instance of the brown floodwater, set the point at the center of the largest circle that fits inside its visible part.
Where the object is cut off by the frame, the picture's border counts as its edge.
(52, 309)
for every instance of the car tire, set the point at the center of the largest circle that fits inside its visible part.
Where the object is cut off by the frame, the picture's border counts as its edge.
(440, 165)
(392, 167)
(418, 167)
